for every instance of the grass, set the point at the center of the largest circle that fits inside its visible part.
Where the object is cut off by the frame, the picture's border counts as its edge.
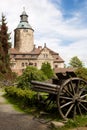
(79, 121)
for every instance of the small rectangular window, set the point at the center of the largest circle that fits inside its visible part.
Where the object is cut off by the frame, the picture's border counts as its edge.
(22, 64)
(25, 30)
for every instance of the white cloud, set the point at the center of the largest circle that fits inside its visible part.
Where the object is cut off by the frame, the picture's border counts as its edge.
(75, 49)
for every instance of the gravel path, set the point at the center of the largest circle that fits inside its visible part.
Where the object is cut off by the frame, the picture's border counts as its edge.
(10, 119)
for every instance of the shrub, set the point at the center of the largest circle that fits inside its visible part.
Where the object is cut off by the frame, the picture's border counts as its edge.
(25, 96)
(30, 73)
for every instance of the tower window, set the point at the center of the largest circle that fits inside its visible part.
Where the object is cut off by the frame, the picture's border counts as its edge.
(25, 30)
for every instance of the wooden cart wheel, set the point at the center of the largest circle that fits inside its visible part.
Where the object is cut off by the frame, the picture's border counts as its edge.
(72, 98)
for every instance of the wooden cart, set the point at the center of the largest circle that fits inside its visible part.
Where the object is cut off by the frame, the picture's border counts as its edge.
(69, 91)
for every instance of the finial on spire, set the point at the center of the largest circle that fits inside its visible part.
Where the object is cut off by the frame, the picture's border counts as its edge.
(24, 12)
(23, 8)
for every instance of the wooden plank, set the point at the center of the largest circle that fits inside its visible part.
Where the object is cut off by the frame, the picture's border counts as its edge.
(45, 87)
(47, 91)
(44, 84)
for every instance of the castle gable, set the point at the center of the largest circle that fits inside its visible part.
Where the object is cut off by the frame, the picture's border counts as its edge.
(45, 54)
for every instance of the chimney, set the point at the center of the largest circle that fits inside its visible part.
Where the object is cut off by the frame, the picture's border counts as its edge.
(40, 47)
(34, 47)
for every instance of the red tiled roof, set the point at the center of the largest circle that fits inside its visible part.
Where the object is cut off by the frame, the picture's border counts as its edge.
(63, 70)
(13, 51)
(51, 51)
(36, 51)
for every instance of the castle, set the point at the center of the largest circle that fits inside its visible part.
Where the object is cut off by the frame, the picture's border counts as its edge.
(25, 53)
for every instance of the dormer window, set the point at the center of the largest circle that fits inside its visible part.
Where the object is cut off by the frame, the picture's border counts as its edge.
(22, 25)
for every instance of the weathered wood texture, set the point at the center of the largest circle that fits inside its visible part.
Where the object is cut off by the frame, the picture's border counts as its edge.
(45, 87)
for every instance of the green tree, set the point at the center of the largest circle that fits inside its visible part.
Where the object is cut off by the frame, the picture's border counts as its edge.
(4, 48)
(81, 72)
(4, 39)
(76, 62)
(46, 68)
(30, 73)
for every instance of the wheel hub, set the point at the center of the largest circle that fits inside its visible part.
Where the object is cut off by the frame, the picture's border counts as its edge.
(76, 98)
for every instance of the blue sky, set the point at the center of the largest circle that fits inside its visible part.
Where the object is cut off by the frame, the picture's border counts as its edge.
(61, 24)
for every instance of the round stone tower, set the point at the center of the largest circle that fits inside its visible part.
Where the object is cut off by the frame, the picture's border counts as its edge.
(24, 39)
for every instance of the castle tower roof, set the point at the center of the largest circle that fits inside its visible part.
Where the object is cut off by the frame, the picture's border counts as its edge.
(24, 24)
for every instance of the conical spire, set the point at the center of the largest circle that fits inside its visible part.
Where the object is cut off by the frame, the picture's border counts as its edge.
(24, 21)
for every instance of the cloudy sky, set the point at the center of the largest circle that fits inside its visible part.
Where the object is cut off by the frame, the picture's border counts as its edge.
(61, 24)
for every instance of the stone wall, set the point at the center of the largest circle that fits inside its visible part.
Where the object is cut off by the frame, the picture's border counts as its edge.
(24, 40)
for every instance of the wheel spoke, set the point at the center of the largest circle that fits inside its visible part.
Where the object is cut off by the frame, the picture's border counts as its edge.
(79, 109)
(85, 101)
(72, 87)
(65, 97)
(69, 110)
(83, 96)
(68, 92)
(66, 104)
(72, 97)
(78, 84)
(81, 91)
(83, 106)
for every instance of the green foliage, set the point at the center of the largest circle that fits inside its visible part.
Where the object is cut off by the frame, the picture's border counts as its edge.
(46, 68)
(79, 121)
(76, 62)
(1, 76)
(81, 72)
(30, 73)
(26, 96)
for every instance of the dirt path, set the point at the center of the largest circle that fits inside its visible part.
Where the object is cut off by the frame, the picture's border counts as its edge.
(10, 119)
